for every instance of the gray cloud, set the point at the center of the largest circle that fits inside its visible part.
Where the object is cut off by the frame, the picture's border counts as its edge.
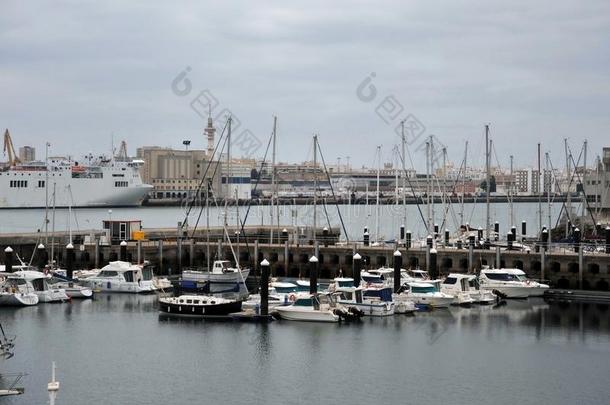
(75, 73)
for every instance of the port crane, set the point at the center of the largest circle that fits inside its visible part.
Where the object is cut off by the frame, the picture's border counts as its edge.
(9, 149)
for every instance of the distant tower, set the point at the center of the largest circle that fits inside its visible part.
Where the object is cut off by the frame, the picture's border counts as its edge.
(210, 131)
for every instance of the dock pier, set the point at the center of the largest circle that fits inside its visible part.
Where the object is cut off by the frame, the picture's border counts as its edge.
(290, 252)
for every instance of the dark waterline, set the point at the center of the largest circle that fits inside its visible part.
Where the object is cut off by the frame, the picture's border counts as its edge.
(118, 349)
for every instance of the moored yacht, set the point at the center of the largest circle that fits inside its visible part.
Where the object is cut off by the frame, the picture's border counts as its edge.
(38, 282)
(377, 302)
(316, 308)
(457, 285)
(16, 292)
(426, 294)
(510, 283)
(72, 289)
(122, 277)
(222, 278)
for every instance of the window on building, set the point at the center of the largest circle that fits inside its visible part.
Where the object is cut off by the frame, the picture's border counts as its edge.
(121, 183)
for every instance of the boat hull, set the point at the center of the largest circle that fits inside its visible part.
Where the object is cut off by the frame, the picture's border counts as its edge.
(143, 287)
(223, 309)
(510, 291)
(306, 315)
(18, 299)
(52, 295)
(371, 309)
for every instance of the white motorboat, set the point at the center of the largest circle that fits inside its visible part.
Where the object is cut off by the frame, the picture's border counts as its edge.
(282, 287)
(510, 283)
(39, 283)
(122, 277)
(372, 302)
(457, 285)
(426, 294)
(72, 289)
(222, 278)
(275, 300)
(16, 292)
(315, 308)
(479, 295)
(382, 275)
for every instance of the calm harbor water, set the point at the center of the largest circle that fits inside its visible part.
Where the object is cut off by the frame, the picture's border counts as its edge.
(117, 349)
(356, 217)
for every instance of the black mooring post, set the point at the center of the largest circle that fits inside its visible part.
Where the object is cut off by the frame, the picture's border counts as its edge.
(408, 240)
(509, 240)
(496, 231)
(397, 267)
(8, 259)
(356, 269)
(513, 230)
(366, 238)
(577, 238)
(608, 240)
(523, 230)
(325, 236)
(123, 252)
(70, 261)
(264, 288)
(432, 268)
(429, 241)
(402, 232)
(42, 256)
(446, 237)
(313, 275)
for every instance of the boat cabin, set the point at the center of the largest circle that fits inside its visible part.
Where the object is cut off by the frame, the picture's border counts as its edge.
(422, 288)
(222, 267)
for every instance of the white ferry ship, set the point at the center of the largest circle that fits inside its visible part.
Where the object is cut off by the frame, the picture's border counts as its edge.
(93, 182)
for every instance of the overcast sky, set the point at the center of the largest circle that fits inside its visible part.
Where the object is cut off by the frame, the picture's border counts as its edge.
(78, 75)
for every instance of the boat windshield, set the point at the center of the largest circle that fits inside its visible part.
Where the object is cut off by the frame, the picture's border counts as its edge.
(147, 273)
(108, 273)
(474, 282)
(303, 302)
(424, 290)
(14, 282)
(501, 277)
(450, 280)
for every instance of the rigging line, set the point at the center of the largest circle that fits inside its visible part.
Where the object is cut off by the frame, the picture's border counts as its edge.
(563, 204)
(449, 203)
(408, 178)
(209, 187)
(332, 190)
(203, 180)
(586, 201)
(258, 178)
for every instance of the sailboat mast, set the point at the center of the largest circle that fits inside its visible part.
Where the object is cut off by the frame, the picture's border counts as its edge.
(404, 172)
(273, 181)
(315, 186)
(487, 183)
(428, 207)
(53, 227)
(46, 196)
(228, 176)
(207, 223)
(511, 190)
(548, 194)
(540, 186)
(464, 183)
(569, 196)
(584, 195)
(377, 192)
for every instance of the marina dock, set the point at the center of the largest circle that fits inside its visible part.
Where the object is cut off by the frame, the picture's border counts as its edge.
(291, 249)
